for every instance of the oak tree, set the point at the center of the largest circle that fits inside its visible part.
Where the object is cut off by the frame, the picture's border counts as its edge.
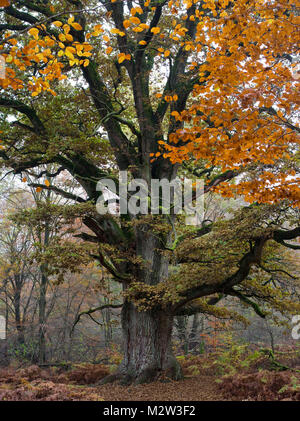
(198, 87)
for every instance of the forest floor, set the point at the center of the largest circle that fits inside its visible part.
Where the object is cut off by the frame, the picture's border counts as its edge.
(207, 378)
(198, 388)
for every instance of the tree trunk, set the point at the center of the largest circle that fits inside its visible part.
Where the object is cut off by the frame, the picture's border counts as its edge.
(147, 335)
(42, 298)
(42, 318)
(194, 338)
(147, 347)
(182, 327)
(17, 308)
(4, 358)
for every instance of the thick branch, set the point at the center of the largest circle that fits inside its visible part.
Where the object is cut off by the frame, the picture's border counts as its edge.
(93, 310)
(247, 301)
(252, 257)
(26, 110)
(59, 191)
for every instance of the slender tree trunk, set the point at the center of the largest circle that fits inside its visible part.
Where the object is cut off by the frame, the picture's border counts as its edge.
(4, 359)
(18, 320)
(42, 317)
(182, 327)
(194, 339)
(43, 300)
(106, 315)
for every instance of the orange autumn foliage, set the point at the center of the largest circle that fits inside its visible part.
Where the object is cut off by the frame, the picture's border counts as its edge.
(241, 113)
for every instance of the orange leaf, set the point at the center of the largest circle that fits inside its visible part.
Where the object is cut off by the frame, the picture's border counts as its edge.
(4, 3)
(155, 30)
(34, 32)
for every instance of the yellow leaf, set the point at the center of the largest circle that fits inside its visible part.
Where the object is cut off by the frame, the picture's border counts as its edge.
(69, 37)
(76, 26)
(57, 23)
(47, 183)
(121, 58)
(71, 49)
(155, 30)
(138, 29)
(126, 23)
(69, 54)
(66, 29)
(34, 32)
(38, 189)
(175, 114)
(139, 10)
(135, 20)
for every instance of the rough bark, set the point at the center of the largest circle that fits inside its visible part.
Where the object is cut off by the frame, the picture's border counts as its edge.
(147, 335)
(147, 347)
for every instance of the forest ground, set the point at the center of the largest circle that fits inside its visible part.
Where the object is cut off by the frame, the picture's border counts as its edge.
(207, 378)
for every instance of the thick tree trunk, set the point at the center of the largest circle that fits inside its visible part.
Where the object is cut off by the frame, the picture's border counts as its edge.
(147, 347)
(147, 334)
